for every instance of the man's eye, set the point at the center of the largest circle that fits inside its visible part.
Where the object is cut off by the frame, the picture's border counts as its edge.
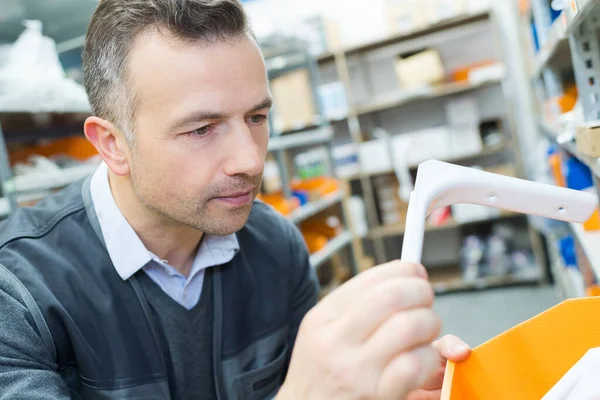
(258, 119)
(202, 131)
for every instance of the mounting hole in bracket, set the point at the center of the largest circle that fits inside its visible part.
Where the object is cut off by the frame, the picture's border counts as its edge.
(561, 209)
(589, 64)
(591, 81)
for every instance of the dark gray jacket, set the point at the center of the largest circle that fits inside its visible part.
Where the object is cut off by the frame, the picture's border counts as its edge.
(72, 328)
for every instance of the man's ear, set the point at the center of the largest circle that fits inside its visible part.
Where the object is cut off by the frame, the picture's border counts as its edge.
(110, 143)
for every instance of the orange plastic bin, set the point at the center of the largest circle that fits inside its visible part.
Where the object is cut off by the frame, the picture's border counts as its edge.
(525, 362)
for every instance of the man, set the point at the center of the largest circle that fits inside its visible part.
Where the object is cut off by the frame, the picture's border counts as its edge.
(158, 278)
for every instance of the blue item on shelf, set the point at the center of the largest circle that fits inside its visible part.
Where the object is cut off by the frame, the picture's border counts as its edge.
(536, 40)
(301, 195)
(554, 14)
(577, 175)
(566, 247)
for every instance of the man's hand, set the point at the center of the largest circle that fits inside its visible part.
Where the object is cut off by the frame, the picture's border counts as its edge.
(369, 339)
(450, 348)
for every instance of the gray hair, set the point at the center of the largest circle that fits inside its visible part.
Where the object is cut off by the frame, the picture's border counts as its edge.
(114, 27)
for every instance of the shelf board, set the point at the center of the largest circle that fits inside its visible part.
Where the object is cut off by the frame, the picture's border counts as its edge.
(486, 152)
(52, 179)
(398, 230)
(301, 139)
(314, 207)
(577, 11)
(334, 246)
(560, 136)
(556, 49)
(405, 36)
(590, 242)
(431, 92)
(482, 284)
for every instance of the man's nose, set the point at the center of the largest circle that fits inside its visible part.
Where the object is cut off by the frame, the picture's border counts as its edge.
(245, 154)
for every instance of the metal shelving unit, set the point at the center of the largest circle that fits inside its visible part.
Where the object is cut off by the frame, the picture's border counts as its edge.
(590, 242)
(556, 48)
(313, 208)
(314, 137)
(424, 94)
(441, 26)
(481, 284)
(578, 11)
(348, 60)
(486, 152)
(571, 45)
(16, 189)
(319, 134)
(335, 245)
(566, 139)
(398, 230)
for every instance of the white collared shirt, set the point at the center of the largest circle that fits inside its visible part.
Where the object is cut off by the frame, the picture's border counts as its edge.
(128, 254)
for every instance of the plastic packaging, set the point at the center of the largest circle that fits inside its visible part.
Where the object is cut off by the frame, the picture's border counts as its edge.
(32, 79)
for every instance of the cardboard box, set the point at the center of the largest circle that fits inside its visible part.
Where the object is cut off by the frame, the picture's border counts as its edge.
(588, 140)
(421, 69)
(294, 105)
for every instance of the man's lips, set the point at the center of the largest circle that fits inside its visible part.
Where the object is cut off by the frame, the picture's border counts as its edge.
(237, 199)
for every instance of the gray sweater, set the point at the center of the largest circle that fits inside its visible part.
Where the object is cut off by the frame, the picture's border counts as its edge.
(72, 328)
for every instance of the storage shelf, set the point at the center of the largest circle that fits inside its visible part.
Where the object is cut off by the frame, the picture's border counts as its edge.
(314, 207)
(590, 242)
(401, 37)
(584, 8)
(486, 152)
(301, 139)
(554, 132)
(482, 284)
(556, 49)
(52, 179)
(431, 92)
(334, 246)
(398, 230)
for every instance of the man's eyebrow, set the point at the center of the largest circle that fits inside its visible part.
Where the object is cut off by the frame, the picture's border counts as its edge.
(266, 103)
(199, 116)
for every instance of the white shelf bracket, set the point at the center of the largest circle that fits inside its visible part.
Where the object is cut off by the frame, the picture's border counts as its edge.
(441, 184)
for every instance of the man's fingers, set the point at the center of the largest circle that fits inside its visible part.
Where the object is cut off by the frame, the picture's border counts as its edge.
(407, 372)
(345, 297)
(452, 348)
(436, 380)
(425, 395)
(401, 333)
(381, 302)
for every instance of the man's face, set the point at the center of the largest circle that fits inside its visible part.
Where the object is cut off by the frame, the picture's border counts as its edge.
(201, 132)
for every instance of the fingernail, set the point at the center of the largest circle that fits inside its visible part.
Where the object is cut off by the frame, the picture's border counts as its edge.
(459, 349)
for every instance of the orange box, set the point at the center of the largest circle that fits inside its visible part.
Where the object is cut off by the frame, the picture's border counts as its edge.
(526, 361)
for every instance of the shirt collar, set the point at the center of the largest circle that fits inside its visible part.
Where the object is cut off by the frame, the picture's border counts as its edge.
(127, 252)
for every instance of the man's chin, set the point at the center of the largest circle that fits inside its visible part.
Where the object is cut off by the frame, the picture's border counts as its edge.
(227, 223)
